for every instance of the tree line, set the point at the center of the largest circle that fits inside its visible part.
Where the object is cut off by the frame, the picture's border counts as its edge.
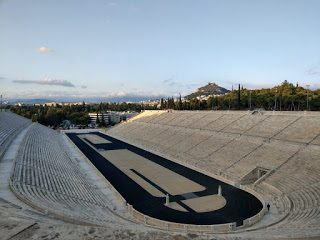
(77, 114)
(284, 97)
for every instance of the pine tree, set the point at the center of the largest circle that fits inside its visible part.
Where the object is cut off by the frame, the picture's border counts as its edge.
(239, 97)
(162, 104)
(180, 103)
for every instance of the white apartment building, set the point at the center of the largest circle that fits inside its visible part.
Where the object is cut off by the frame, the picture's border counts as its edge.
(108, 117)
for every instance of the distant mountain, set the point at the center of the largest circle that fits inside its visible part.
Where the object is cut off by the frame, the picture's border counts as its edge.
(127, 98)
(28, 101)
(211, 89)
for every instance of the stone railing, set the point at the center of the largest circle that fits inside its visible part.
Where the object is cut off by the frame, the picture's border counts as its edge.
(256, 218)
(150, 221)
(216, 228)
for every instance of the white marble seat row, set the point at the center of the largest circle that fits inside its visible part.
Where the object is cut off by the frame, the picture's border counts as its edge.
(283, 125)
(235, 143)
(47, 177)
(10, 124)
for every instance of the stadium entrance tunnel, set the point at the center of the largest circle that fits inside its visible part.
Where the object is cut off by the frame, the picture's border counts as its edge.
(162, 189)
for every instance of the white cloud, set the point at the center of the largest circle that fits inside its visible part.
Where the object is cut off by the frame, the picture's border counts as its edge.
(314, 70)
(120, 94)
(56, 82)
(315, 86)
(44, 50)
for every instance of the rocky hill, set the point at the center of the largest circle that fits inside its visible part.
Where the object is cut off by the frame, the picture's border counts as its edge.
(211, 89)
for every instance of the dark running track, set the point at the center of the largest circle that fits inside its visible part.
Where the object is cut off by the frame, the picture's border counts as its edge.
(240, 204)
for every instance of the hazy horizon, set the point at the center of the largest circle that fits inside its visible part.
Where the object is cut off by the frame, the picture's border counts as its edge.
(86, 49)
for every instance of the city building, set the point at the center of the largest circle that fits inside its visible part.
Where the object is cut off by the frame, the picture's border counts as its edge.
(111, 118)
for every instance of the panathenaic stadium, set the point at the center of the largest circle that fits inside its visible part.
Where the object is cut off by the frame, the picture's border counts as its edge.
(163, 175)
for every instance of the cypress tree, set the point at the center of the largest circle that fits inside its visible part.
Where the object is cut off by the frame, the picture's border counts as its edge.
(162, 105)
(180, 103)
(239, 97)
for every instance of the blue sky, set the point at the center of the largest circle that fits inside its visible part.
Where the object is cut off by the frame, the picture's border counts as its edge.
(81, 48)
